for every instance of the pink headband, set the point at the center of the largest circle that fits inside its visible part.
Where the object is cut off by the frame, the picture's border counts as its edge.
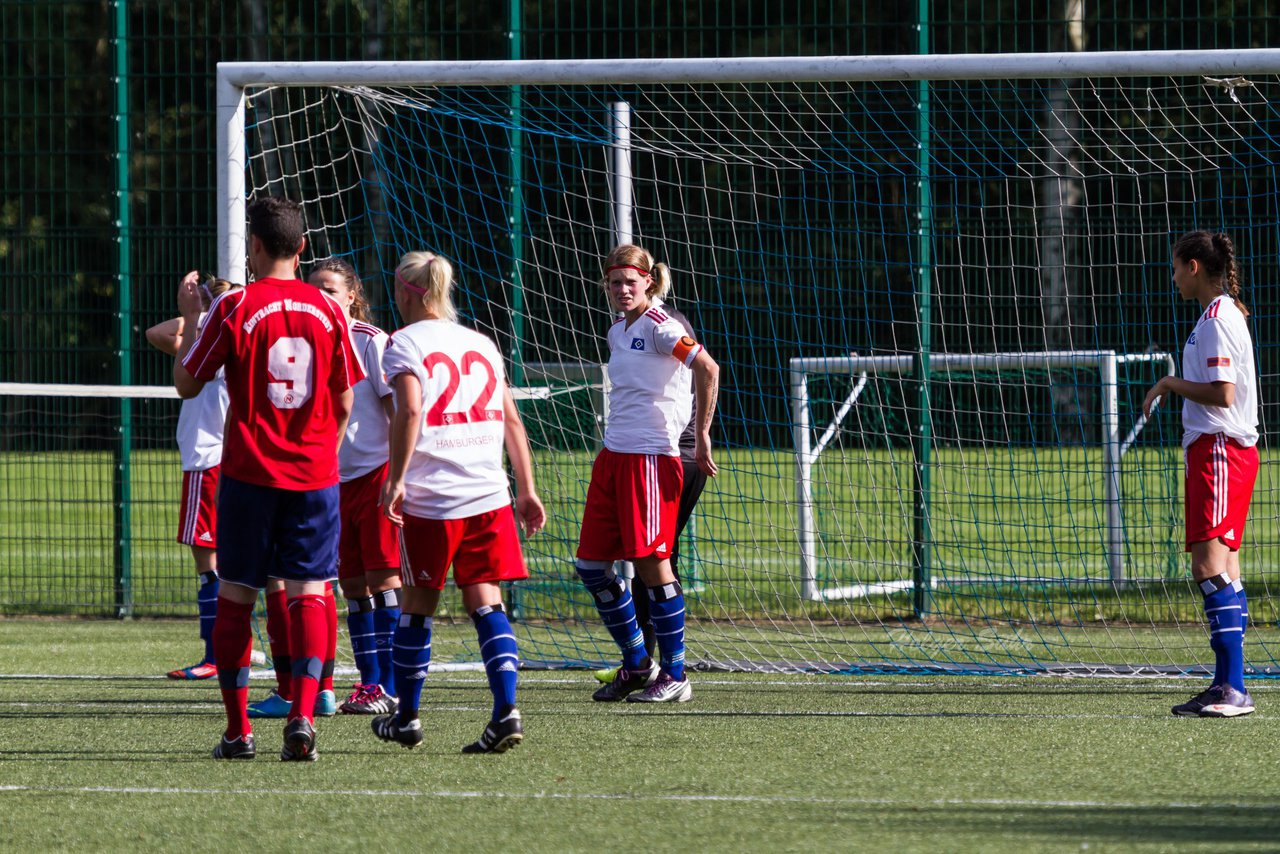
(639, 270)
(409, 285)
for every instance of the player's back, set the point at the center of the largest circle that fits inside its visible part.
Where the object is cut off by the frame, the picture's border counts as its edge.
(456, 468)
(287, 357)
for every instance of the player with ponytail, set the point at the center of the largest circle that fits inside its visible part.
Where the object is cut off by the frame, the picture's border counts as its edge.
(1219, 391)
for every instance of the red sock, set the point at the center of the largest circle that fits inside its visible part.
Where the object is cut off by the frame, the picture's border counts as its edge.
(278, 637)
(309, 632)
(232, 645)
(331, 605)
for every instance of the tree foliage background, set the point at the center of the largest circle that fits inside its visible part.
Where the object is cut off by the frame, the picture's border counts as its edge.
(60, 238)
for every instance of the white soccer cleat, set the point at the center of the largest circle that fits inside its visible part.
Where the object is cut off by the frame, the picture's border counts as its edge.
(664, 690)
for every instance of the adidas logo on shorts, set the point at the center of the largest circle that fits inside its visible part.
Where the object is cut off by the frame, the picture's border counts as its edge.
(205, 538)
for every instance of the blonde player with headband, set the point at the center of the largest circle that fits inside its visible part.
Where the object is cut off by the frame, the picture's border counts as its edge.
(633, 499)
(1220, 433)
(447, 487)
(200, 425)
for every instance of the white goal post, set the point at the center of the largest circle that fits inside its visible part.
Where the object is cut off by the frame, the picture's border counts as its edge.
(807, 451)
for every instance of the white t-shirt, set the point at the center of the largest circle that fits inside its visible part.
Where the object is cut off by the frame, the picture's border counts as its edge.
(201, 421)
(1220, 350)
(649, 384)
(455, 470)
(365, 446)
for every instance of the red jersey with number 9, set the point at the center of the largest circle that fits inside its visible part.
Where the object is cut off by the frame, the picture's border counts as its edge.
(288, 356)
(455, 469)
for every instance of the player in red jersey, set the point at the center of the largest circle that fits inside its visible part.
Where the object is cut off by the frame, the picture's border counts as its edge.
(200, 424)
(289, 368)
(447, 486)
(369, 546)
(633, 499)
(1219, 390)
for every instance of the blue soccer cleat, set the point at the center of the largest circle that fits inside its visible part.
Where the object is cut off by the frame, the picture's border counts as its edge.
(326, 704)
(271, 706)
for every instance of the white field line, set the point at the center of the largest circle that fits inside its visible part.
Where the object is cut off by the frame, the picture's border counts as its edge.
(460, 674)
(444, 794)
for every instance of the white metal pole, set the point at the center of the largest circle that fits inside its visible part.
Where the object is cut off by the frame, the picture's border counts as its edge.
(1111, 467)
(801, 438)
(232, 242)
(623, 197)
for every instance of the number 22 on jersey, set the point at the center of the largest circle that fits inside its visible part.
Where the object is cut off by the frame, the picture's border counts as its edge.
(442, 413)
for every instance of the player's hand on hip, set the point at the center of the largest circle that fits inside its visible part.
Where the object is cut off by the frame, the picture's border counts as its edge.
(392, 499)
(531, 513)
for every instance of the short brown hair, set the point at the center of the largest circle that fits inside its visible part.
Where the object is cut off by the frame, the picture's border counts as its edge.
(277, 222)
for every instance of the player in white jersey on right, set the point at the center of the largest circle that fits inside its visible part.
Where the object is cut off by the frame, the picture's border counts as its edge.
(200, 424)
(447, 487)
(1219, 388)
(369, 545)
(634, 495)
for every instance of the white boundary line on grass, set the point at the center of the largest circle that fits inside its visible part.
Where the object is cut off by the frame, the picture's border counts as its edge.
(628, 796)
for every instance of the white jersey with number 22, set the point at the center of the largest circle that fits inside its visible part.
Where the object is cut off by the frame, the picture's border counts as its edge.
(455, 470)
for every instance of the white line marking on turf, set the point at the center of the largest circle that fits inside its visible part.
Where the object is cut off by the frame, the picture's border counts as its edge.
(619, 796)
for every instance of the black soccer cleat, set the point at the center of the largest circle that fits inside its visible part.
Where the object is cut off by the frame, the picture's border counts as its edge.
(299, 741)
(626, 682)
(386, 728)
(236, 748)
(499, 736)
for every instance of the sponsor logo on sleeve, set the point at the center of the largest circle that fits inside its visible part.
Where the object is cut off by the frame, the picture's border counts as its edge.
(1218, 362)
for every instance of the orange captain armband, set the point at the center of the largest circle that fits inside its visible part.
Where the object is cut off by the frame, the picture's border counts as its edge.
(684, 347)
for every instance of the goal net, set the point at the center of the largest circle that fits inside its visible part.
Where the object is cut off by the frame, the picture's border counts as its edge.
(962, 260)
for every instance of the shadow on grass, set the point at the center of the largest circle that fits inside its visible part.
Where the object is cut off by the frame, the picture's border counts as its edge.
(1159, 824)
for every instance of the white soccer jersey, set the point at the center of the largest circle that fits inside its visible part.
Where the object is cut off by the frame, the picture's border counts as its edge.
(201, 422)
(1220, 350)
(365, 446)
(455, 470)
(649, 384)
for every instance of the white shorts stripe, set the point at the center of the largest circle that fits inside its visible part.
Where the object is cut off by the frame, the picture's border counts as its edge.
(1219, 465)
(192, 500)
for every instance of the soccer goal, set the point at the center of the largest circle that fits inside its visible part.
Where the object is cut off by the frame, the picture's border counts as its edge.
(989, 233)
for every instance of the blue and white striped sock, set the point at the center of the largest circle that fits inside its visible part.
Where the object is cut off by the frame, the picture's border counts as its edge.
(207, 606)
(411, 657)
(363, 639)
(386, 615)
(617, 610)
(666, 609)
(1222, 607)
(501, 658)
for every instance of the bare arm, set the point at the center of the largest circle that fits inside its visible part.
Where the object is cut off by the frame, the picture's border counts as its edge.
(189, 307)
(167, 335)
(529, 507)
(404, 427)
(706, 388)
(1221, 394)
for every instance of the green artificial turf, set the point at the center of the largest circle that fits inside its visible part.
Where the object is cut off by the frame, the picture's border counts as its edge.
(102, 754)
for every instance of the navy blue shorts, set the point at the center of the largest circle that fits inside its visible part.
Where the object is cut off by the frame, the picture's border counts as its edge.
(264, 532)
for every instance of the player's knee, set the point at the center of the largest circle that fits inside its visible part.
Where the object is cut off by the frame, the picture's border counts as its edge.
(595, 574)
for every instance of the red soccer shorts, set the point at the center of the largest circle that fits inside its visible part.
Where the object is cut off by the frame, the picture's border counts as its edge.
(632, 504)
(483, 548)
(369, 540)
(198, 513)
(1220, 473)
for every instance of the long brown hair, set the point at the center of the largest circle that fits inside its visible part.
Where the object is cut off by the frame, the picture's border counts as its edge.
(359, 303)
(1218, 256)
